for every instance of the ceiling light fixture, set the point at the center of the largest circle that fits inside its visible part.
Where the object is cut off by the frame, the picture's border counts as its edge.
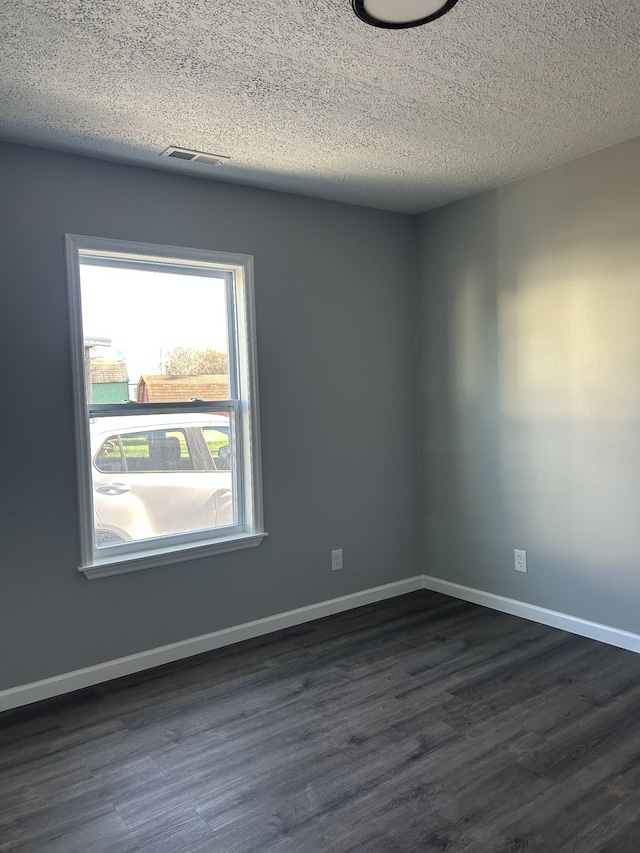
(399, 14)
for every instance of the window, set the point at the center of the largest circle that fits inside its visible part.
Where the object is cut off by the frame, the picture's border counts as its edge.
(166, 403)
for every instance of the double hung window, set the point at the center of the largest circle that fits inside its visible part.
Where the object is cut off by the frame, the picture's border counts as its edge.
(166, 403)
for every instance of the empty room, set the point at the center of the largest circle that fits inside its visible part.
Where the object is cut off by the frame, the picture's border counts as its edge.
(321, 426)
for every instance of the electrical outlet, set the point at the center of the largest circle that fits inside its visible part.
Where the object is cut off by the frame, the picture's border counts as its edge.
(336, 560)
(521, 560)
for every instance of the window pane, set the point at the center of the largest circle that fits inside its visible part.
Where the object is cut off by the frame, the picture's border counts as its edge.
(152, 336)
(155, 475)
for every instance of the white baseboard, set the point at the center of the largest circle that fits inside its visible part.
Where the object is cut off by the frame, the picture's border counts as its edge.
(24, 694)
(553, 618)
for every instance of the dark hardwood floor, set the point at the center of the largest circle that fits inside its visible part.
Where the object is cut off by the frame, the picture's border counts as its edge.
(418, 724)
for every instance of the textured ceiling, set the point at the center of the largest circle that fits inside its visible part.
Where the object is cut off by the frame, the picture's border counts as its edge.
(304, 97)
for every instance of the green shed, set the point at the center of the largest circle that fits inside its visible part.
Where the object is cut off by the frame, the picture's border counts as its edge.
(109, 380)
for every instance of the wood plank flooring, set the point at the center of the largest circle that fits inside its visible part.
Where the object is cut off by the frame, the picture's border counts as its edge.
(418, 724)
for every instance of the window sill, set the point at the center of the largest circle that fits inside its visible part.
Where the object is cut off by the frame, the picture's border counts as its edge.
(104, 567)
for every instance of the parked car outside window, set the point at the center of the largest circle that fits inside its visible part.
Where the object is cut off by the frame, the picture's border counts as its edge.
(157, 475)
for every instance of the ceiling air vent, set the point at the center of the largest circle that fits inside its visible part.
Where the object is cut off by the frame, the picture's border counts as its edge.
(194, 156)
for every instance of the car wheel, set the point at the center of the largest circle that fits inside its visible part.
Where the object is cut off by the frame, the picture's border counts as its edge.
(104, 538)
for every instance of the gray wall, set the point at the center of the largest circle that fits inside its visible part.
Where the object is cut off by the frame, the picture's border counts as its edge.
(334, 299)
(528, 385)
(530, 388)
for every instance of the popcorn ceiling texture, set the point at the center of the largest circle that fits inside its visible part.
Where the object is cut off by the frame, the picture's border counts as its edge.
(305, 98)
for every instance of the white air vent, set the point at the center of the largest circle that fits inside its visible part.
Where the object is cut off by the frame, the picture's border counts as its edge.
(194, 156)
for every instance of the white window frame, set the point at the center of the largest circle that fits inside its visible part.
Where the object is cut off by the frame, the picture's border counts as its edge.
(249, 532)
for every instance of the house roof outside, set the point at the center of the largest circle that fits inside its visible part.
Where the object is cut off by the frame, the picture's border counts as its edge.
(107, 370)
(161, 388)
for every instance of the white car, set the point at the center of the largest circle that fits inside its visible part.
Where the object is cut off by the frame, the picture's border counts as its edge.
(158, 475)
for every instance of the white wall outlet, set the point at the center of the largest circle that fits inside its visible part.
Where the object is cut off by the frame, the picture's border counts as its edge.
(336, 560)
(521, 560)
